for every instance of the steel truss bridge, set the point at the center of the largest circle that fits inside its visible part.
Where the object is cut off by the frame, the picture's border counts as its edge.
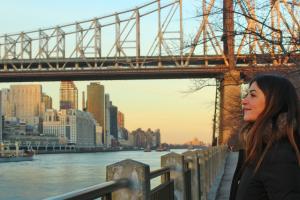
(156, 40)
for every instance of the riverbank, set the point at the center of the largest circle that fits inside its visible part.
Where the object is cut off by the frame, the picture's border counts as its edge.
(85, 150)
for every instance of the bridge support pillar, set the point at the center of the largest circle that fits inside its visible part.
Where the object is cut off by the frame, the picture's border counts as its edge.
(230, 106)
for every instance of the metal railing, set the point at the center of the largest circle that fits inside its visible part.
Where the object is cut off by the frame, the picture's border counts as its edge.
(166, 189)
(100, 190)
(187, 176)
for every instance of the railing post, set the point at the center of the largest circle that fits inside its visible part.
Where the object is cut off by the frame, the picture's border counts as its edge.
(214, 164)
(208, 168)
(217, 153)
(176, 163)
(206, 171)
(195, 173)
(210, 160)
(139, 176)
(202, 180)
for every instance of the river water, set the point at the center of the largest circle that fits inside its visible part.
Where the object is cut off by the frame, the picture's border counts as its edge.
(53, 174)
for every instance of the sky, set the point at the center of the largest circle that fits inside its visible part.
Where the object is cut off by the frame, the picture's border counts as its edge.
(155, 104)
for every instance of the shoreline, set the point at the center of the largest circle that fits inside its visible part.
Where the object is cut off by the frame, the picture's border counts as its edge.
(93, 151)
(81, 150)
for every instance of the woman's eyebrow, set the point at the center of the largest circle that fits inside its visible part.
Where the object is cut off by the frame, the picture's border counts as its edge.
(252, 90)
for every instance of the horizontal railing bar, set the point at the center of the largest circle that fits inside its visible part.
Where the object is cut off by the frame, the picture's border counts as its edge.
(161, 186)
(94, 191)
(188, 160)
(159, 172)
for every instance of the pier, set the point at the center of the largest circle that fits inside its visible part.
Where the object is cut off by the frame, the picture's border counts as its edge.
(193, 175)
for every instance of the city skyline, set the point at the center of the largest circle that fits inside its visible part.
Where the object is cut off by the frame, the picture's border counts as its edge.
(145, 103)
(152, 107)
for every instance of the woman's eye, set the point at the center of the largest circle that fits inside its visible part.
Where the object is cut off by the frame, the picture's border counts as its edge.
(252, 95)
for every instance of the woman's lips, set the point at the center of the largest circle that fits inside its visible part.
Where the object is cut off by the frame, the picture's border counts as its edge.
(245, 110)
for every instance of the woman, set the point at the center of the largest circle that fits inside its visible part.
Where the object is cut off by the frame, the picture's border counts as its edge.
(269, 164)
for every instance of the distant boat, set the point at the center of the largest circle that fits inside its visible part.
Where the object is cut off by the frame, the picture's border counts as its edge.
(14, 158)
(161, 148)
(7, 155)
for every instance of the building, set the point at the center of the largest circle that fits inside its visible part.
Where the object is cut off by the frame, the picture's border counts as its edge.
(114, 121)
(71, 127)
(25, 103)
(5, 104)
(54, 124)
(99, 133)
(131, 139)
(47, 101)
(106, 135)
(121, 120)
(147, 138)
(195, 142)
(96, 105)
(13, 126)
(155, 138)
(68, 95)
(85, 130)
(124, 139)
(140, 139)
(17, 131)
(122, 133)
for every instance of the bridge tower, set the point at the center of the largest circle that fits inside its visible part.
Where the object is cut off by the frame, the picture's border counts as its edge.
(230, 106)
(230, 93)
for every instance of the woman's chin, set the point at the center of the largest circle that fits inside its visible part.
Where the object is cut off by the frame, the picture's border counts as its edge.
(249, 119)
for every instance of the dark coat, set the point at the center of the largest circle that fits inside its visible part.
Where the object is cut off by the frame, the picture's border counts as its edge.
(278, 177)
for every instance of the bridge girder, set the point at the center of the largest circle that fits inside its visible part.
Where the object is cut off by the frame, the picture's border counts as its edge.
(251, 44)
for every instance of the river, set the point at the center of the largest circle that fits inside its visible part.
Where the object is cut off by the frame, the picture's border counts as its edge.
(53, 174)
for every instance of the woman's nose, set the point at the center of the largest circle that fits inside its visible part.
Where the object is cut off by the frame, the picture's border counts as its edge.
(244, 101)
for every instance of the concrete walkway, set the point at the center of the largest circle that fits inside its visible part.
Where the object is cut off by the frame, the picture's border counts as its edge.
(225, 184)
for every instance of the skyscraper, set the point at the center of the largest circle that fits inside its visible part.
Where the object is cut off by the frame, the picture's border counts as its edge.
(121, 120)
(47, 101)
(95, 104)
(114, 121)
(26, 102)
(106, 136)
(68, 95)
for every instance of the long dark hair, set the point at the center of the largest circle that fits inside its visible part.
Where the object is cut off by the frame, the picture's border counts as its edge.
(281, 98)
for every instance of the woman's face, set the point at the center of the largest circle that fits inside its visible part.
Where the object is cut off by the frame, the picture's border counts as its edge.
(253, 103)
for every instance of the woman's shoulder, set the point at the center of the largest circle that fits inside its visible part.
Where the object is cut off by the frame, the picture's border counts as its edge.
(281, 151)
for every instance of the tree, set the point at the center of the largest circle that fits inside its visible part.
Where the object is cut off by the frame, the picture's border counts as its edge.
(256, 36)
(263, 32)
